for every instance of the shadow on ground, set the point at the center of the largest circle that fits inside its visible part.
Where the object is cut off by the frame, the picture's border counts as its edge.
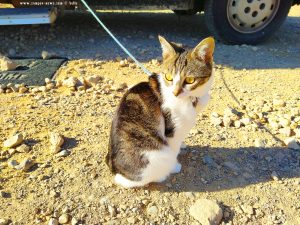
(79, 36)
(215, 169)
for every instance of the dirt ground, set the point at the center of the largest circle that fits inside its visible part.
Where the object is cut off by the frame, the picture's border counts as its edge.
(248, 169)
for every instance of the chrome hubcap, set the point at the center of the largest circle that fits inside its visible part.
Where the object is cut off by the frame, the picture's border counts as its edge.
(249, 16)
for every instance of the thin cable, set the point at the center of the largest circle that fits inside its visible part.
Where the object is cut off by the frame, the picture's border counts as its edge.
(116, 40)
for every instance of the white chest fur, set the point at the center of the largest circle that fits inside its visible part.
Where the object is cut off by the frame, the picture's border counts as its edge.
(183, 116)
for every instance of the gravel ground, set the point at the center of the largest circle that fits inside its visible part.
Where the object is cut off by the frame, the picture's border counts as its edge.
(236, 155)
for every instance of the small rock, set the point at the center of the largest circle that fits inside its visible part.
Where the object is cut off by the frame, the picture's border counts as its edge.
(237, 124)
(260, 143)
(92, 80)
(279, 103)
(63, 153)
(207, 212)
(274, 176)
(286, 131)
(53, 221)
(74, 221)
(131, 220)
(216, 121)
(56, 141)
(292, 143)
(284, 122)
(25, 165)
(227, 121)
(23, 148)
(23, 90)
(194, 131)
(4, 222)
(112, 211)
(70, 82)
(246, 121)
(47, 55)
(123, 63)
(12, 164)
(152, 210)
(13, 141)
(64, 218)
(274, 125)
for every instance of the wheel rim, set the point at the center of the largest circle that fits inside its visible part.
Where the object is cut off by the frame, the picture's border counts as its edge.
(250, 16)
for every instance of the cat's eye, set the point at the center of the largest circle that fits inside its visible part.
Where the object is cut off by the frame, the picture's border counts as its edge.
(189, 80)
(169, 77)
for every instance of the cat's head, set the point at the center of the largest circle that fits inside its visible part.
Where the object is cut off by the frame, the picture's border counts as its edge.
(187, 72)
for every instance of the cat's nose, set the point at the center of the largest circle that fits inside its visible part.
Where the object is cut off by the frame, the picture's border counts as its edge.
(177, 91)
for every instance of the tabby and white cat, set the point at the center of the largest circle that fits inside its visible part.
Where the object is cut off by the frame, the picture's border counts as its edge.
(154, 117)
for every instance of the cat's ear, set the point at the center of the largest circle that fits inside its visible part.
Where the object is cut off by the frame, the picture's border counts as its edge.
(205, 50)
(167, 48)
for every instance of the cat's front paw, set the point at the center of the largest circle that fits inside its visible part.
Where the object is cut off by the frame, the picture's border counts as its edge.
(177, 168)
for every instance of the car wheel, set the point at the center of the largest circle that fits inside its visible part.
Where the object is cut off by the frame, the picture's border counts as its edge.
(188, 12)
(245, 21)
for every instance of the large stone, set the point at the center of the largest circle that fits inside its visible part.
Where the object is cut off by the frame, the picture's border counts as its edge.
(56, 141)
(207, 212)
(7, 64)
(13, 141)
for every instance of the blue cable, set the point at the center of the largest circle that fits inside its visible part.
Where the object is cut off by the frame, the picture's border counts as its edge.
(116, 40)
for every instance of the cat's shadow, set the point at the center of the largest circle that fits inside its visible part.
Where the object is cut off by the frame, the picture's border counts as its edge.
(215, 169)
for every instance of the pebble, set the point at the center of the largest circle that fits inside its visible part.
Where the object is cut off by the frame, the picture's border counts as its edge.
(131, 220)
(53, 221)
(292, 143)
(4, 222)
(152, 210)
(74, 221)
(23, 148)
(56, 141)
(13, 141)
(207, 212)
(123, 63)
(227, 121)
(216, 121)
(25, 165)
(246, 121)
(70, 82)
(286, 131)
(112, 211)
(64, 153)
(274, 176)
(92, 80)
(64, 218)
(23, 90)
(47, 55)
(12, 164)
(259, 143)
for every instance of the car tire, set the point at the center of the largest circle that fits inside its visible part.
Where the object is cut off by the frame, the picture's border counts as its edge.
(188, 12)
(239, 22)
